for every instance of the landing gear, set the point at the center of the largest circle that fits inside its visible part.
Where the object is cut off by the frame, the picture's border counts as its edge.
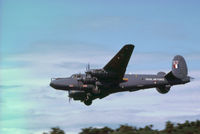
(88, 99)
(88, 102)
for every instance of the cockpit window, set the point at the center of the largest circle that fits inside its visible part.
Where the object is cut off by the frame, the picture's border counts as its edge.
(76, 76)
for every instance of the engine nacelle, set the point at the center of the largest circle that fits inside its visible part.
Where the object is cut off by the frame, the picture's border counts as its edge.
(100, 73)
(163, 89)
(95, 90)
(91, 88)
(77, 94)
(88, 80)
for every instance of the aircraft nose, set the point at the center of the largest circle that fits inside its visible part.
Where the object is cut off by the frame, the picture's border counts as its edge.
(63, 83)
(58, 83)
(52, 83)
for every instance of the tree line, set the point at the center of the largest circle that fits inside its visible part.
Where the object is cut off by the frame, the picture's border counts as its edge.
(187, 127)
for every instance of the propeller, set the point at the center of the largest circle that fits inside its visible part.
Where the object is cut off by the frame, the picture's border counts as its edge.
(69, 97)
(88, 67)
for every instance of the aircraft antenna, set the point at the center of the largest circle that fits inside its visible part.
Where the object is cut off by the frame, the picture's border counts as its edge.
(88, 67)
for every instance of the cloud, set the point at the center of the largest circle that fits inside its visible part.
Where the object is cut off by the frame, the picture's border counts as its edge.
(62, 60)
(15, 131)
(5, 87)
(46, 107)
(139, 108)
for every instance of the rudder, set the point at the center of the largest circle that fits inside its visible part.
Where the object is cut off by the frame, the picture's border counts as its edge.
(179, 68)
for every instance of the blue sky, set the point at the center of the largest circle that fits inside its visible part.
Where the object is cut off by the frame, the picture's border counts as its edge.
(44, 39)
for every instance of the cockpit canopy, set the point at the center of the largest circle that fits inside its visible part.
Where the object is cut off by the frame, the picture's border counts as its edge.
(75, 76)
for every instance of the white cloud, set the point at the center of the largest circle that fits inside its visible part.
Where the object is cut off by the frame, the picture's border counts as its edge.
(50, 107)
(136, 108)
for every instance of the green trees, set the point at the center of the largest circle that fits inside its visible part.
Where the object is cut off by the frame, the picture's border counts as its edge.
(91, 130)
(125, 129)
(55, 130)
(170, 128)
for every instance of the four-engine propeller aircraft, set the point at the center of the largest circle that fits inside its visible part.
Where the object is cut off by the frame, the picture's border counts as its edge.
(99, 83)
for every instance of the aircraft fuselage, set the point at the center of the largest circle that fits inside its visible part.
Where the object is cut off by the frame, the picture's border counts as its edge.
(133, 82)
(99, 83)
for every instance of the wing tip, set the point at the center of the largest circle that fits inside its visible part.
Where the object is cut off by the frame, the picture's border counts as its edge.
(129, 46)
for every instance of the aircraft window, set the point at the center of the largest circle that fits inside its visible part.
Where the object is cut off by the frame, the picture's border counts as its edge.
(76, 76)
(73, 76)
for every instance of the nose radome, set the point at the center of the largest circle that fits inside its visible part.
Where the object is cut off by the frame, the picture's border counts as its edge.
(55, 83)
(59, 83)
(51, 84)
(63, 83)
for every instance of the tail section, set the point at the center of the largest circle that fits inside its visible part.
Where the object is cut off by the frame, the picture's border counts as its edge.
(120, 61)
(179, 69)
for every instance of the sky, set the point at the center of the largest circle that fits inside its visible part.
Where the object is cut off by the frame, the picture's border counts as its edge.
(40, 40)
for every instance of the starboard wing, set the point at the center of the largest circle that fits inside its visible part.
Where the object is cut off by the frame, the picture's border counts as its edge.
(120, 61)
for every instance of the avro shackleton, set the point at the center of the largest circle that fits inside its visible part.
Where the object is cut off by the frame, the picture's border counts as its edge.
(99, 83)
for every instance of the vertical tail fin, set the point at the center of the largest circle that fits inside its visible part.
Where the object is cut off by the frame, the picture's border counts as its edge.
(179, 68)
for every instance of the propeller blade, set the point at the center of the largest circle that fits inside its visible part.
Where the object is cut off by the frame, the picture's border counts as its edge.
(88, 66)
(70, 99)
